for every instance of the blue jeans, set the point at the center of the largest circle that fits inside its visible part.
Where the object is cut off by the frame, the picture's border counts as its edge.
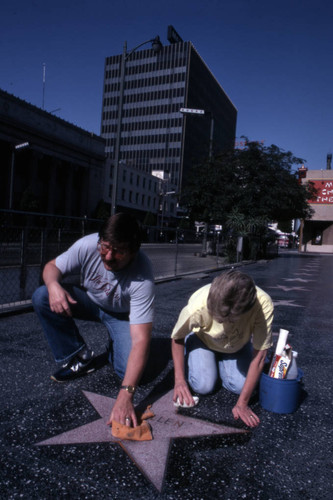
(205, 366)
(63, 335)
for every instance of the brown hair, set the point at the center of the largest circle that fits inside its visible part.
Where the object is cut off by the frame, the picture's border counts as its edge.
(231, 294)
(122, 229)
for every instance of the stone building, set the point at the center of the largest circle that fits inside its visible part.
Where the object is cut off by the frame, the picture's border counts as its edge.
(316, 234)
(47, 164)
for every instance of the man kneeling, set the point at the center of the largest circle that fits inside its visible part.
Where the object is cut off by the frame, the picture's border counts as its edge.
(117, 289)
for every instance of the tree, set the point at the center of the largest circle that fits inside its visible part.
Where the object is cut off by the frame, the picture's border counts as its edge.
(257, 181)
(244, 189)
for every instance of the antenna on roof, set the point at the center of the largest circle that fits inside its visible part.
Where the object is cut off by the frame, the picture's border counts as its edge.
(44, 71)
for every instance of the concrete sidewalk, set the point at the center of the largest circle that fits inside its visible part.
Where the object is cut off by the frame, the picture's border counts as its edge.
(287, 456)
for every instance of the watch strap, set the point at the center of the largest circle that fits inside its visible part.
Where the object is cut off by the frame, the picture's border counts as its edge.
(129, 388)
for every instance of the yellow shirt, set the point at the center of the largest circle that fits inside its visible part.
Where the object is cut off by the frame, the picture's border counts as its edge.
(227, 337)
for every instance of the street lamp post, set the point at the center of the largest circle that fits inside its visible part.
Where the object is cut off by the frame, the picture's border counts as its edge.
(164, 200)
(202, 112)
(12, 167)
(156, 46)
(211, 136)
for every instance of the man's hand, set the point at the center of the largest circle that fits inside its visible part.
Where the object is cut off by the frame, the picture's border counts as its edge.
(182, 391)
(60, 299)
(123, 410)
(245, 413)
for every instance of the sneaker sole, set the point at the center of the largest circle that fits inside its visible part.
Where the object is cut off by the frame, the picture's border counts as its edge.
(52, 377)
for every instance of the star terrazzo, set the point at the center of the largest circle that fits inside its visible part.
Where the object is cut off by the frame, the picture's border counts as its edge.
(150, 457)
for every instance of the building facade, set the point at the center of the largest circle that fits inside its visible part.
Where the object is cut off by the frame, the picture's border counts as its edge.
(47, 164)
(316, 234)
(154, 134)
(138, 192)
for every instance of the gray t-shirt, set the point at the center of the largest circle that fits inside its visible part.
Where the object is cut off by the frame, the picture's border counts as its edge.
(130, 290)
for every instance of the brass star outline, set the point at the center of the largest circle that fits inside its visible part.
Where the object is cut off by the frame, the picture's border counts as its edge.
(150, 457)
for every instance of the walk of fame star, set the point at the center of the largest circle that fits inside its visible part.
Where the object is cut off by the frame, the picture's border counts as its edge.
(150, 456)
(297, 279)
(289, 303)
(290, 288)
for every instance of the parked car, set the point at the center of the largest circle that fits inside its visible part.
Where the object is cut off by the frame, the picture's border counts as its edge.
(283, 241)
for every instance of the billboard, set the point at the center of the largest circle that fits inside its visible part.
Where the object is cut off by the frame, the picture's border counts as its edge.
(324, 194)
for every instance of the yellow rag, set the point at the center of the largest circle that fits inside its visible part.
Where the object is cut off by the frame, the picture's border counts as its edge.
(142, 432)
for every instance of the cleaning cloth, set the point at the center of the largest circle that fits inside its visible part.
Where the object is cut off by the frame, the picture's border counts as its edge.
(142, 432)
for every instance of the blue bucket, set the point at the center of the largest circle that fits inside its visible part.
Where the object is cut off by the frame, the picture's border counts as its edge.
(280, 395)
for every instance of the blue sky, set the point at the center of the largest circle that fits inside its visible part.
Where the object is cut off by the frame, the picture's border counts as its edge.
(273, 59)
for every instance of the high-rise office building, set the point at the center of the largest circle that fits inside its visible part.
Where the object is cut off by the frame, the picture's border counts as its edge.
(155, 134)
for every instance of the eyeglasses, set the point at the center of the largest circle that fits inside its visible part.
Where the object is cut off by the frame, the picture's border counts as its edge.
(104, 248)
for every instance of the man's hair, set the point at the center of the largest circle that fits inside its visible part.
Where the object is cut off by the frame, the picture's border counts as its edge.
(231, 294)
(122, 229)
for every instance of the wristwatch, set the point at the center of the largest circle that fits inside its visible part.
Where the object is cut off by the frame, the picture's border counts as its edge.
(129, 388)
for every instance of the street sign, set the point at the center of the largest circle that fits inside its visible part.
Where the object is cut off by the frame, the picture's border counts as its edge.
(192, 111)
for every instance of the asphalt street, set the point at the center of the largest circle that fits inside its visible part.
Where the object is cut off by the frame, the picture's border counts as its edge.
(289, 456)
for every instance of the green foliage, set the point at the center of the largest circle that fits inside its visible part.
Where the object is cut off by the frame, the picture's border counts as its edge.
(185, 223)
(285, 226)
(246, 188)
(244, 225)
(230, 249)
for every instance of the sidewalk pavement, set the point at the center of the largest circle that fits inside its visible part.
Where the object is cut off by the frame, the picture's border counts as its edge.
(287, 456)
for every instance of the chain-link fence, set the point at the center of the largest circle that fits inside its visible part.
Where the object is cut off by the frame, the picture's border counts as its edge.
(29, 240)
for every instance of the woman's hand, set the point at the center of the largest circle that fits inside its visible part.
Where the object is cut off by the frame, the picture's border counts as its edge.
(245, 413)
(183, 394)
